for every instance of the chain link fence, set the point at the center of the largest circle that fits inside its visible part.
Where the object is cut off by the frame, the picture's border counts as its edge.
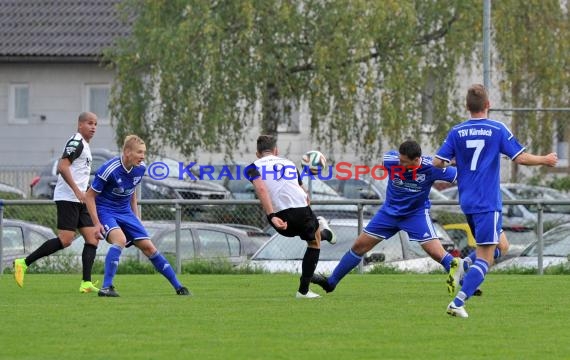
(249, 216)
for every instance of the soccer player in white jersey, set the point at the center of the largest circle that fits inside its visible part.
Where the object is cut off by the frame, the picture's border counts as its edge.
(280, 190)
(406, 208)
(74, 169)
(112, 203)
(476, 145)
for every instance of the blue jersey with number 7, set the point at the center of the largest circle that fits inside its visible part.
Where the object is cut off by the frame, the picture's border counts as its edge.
(477, 145)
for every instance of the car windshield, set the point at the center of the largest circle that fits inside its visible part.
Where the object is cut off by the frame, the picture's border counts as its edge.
(173, 167)
(556, 243)
(356, 188)
(520, 236)
(284, 248)
(319, 189)
(531, 193)
(280, 247)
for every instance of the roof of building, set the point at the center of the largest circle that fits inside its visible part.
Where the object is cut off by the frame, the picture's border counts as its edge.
(59, 28)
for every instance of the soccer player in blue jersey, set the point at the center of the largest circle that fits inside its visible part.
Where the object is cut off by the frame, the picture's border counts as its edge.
(476, 145)
(112, 203)
(406, 208)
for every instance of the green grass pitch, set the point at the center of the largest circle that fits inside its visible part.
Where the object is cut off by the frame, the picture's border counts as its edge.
(258, 317)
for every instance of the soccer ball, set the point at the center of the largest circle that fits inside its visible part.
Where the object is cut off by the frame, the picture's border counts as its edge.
(313, 160)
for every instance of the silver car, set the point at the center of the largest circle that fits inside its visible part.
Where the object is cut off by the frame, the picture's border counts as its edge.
(20, 238)
(197, 241)
(283, 254)
(555, 251)
(527, 214)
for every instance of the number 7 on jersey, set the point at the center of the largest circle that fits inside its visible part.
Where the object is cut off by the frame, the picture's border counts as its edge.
(478, 145)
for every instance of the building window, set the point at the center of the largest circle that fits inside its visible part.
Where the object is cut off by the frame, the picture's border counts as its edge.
(97, 101)
(19, 103)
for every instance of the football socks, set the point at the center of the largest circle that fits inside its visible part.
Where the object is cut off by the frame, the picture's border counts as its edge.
(45, 249)
(349, 261)
(111, 264)
(163, 266)
(446, 261)
(308, 267)
(472, 280)
(87, 259)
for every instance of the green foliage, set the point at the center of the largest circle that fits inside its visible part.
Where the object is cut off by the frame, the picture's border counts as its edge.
(216, 266)
(131, 266)
(194, 72)
(42, 215)
(560, 183)
(560, 269)
(533, 43)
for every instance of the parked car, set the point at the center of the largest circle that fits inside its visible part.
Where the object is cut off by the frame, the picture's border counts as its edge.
(9, 192)
(241, 188)
(526, 215)
(169, 188)
(20, 238)
(197, 241)
(283, 254)
(250, 230)
(370, 189)
(519, 238)
(556, 250)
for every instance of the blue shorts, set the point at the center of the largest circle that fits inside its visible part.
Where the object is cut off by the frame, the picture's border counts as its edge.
(124, 220)
(418, 226)
(486, 227)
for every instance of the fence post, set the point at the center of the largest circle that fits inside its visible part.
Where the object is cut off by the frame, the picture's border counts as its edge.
(360, 226)
(1, 237)
(539, 230)
(177, 238)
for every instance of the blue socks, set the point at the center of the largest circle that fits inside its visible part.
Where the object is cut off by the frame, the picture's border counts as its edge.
(160, 264)
(472, 280)
(163, 266)
(111, 264)
(349, 261)
(446, 261)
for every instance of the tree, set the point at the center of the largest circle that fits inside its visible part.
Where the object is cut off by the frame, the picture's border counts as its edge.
(533, 42)
(196, 75)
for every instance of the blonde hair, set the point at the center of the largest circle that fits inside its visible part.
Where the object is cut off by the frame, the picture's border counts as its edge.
(131, 140)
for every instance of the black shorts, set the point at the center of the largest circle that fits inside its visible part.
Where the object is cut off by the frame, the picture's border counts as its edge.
(72, 215)
(300, 222)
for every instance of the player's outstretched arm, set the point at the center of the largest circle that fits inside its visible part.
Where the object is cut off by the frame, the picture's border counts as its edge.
(534, 160)
(437, 162)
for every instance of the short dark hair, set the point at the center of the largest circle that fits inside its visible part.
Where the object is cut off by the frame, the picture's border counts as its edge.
(86, 115)
(266, 143)
(411, 149)
(476, 98)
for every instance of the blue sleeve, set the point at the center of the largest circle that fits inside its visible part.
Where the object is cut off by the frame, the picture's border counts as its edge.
(391, 158)
(99, 182)
(448, 174)
(510, 146)
(447, 151)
